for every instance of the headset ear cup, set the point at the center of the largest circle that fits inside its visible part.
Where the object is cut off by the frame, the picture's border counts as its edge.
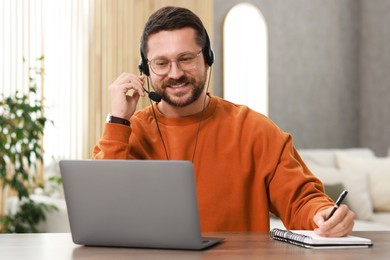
(143, 66)
(208, 55)
(207, 51)
(211, 57)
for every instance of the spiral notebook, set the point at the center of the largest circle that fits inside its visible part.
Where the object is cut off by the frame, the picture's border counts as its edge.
(309, 239)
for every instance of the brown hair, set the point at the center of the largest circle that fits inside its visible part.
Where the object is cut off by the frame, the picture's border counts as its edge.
(172, 18)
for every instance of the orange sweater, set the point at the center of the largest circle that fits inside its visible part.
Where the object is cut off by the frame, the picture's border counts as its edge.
(245, 165)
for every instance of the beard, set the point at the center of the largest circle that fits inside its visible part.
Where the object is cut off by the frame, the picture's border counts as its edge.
(179, 100)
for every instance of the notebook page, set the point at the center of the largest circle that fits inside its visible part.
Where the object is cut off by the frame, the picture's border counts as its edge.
(313, 238)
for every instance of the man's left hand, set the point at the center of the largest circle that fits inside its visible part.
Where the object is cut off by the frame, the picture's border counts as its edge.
(340, 224)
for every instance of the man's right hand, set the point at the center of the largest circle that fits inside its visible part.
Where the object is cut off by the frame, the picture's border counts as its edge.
(123, 105)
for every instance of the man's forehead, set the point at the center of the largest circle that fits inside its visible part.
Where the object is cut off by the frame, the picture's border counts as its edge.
(172, 42)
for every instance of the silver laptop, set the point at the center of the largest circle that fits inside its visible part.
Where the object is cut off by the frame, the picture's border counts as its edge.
(133, 203)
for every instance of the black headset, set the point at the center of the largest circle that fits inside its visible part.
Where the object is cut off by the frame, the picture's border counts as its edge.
(207, 53)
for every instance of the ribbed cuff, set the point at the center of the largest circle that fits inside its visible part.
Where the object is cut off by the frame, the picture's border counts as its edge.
(116, 132)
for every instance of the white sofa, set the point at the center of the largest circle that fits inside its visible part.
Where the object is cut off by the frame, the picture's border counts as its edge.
(365, 176)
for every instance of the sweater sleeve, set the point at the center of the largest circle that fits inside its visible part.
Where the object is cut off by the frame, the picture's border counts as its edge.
(296, 194)
(114, 143)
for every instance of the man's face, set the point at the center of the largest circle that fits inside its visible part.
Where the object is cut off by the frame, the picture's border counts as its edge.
(179, 87)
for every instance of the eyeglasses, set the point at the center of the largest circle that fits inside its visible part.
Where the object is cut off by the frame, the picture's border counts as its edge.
(187, 61)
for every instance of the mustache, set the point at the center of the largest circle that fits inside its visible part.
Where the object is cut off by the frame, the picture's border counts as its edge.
(178, 81)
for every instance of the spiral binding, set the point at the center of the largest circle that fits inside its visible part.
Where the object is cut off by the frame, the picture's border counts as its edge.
(288, 236)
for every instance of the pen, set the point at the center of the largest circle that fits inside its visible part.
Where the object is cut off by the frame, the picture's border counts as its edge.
(338, 203)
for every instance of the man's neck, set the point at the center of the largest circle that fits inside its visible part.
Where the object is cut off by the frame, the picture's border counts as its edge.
(192, 109)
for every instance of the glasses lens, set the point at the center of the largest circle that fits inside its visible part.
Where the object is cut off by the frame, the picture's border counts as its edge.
(160, 66)
(187, 61)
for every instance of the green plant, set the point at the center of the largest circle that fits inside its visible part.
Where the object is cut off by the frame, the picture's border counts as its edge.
(22, 124)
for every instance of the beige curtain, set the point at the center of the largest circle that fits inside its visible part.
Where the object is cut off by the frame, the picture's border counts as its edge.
(115, 32)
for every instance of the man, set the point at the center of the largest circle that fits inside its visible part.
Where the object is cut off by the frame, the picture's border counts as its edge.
(245, 165)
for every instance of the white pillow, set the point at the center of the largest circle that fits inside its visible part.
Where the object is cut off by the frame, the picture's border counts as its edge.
(321, 157)
(379, 177)
(327, 157)
(356, 182)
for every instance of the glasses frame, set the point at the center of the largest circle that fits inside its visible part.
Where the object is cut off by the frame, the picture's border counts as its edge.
(196, 54)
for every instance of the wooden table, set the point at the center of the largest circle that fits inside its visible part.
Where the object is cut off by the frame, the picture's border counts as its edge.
(236, 246)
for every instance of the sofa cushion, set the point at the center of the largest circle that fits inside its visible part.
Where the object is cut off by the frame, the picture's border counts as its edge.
(327, 157)
(379, 177)
(321, 157)
(356, 182)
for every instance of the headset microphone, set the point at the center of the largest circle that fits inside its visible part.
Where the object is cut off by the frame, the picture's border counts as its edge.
(153, 95)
